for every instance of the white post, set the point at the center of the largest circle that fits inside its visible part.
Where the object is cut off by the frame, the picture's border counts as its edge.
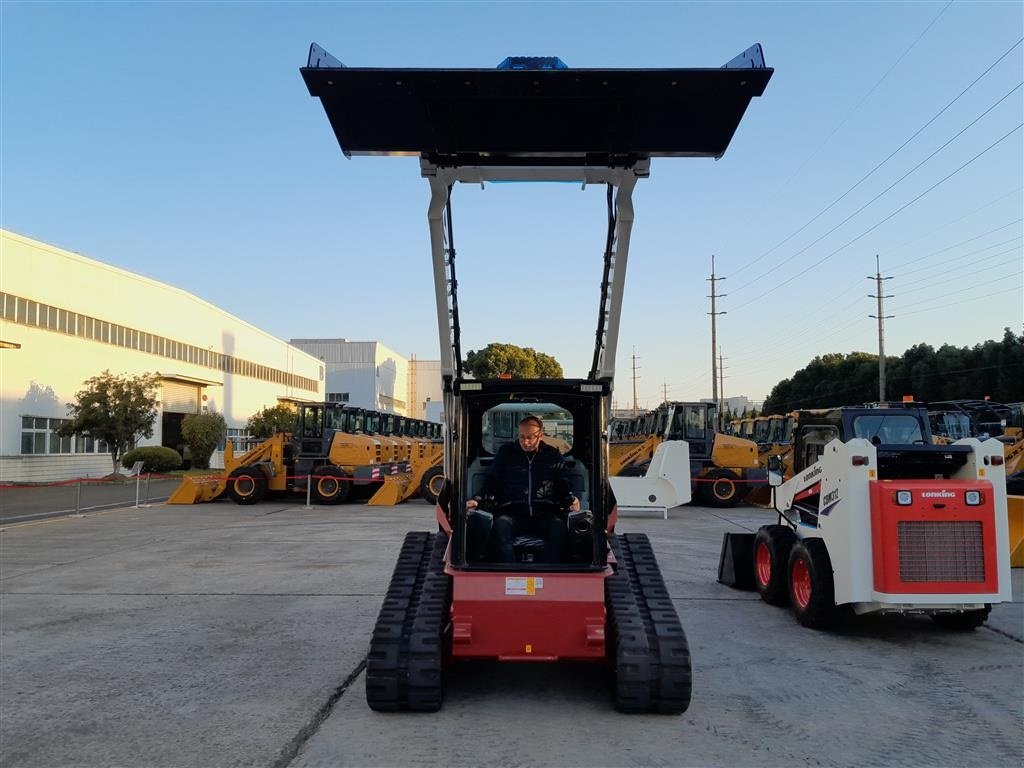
(309, 490)
(138, 487)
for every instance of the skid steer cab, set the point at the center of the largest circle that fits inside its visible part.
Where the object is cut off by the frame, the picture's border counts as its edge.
(877, 519)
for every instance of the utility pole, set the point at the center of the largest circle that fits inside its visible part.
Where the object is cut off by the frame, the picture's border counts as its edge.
(412, 396)
(882, 317)
(664, 391)
(714, 331)
(721, 391)
(634, 382)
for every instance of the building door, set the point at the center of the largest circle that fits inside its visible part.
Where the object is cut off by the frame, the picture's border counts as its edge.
(178, 401)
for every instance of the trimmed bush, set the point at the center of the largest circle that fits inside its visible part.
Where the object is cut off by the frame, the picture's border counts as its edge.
(154, 458)
(202, 433)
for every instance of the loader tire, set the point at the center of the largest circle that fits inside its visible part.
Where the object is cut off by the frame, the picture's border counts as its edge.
(405, 662)
(721, 488)
(811, 588)
(330, 485)
(432, 484)
(647, 648)
(965, 621)
(772, 546)
(247, 485)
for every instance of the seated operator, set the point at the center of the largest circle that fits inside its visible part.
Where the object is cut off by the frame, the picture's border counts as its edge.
(527, 491)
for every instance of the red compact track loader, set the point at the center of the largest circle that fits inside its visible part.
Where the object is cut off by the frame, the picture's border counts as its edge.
(531, 119)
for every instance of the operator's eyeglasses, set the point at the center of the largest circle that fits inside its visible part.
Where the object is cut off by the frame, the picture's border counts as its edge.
(531, 437)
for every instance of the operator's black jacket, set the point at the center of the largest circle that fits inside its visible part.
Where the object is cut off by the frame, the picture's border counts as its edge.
(527, 486)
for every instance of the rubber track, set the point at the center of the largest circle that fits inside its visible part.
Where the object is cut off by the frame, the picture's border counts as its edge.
(404, 663)
(652, 657)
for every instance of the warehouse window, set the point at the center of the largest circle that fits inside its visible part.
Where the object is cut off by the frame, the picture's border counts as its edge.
(33, 435)
(39, 436)
(26, 312)
(59, 444)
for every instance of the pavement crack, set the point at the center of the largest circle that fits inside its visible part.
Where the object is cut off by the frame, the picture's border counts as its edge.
(729, 520)
(1003, 633)
(298, 741)
(108, 553)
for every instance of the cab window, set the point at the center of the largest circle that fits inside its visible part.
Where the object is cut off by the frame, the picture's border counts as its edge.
(888, 429)
(500, 425)
(814, 439)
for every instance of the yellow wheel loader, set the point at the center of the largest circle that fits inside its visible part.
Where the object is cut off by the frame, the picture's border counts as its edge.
(328, 454)
(723, 468)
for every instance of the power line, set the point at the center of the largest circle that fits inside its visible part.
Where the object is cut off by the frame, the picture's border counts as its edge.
(880, 223)
(962, 255)
(831, 301)
(883, 162)
(985, 296)
(951, 222)
(954, 293)
(901, 178)
(961, 277)
(866, 95)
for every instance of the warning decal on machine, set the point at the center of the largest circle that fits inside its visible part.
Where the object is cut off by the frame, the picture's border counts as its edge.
(522, 585)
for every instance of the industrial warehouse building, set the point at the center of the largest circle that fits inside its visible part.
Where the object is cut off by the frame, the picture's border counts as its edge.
(66, 318)
(56, 333)
(368, 374)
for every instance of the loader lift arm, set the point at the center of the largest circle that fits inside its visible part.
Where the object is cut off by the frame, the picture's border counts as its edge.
(513, 123)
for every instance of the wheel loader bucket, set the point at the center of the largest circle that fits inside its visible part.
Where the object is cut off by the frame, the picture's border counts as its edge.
(736, 563)
(394, 490)
(759, 496)
(196, 490)
(1015, 508)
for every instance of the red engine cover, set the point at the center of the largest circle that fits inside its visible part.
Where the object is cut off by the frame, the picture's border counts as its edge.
(528, 617)
(937, 544)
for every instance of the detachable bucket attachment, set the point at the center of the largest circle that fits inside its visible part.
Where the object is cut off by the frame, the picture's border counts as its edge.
(736, 563)
(196, 490)
(606, 117)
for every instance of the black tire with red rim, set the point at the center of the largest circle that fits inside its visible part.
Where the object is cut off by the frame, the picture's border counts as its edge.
(772, 546)
(811, 588)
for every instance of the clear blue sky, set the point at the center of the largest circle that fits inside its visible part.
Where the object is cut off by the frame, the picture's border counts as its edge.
(178, 140)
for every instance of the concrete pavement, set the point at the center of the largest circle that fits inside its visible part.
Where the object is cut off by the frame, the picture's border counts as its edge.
(220, 635)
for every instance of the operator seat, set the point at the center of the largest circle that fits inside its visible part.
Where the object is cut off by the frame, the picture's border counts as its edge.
(527, 548)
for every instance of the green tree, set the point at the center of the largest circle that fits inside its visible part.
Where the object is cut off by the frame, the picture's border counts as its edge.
(115, 409)
(268, 421)
(202, 433)
(497, 359)
(993, 368)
